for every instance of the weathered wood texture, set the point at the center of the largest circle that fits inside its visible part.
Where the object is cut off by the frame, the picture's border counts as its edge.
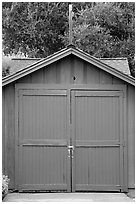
(97, 132)
(3, 130)
(42, 140)
(131, 135)
(9, 130)
(69, 70)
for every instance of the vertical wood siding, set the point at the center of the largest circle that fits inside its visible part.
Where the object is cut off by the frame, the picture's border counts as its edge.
(105, 78)
(9, 137)
(65, 70)
(93, 75)
(131, 136)
(3, 130)
(78, 72)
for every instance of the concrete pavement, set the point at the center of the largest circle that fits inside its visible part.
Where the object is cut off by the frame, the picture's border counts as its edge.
(67, 197)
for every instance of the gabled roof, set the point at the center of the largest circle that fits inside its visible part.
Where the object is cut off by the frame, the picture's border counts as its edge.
(66, 52)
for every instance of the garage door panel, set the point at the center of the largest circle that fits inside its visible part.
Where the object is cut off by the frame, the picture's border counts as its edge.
(40, 115)
(97, 118)
(98, 166)
(42, 164)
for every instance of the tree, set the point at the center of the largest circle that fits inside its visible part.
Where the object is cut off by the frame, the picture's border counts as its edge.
(34, 28)
(6, 61)
(107, 30)
(38, 29)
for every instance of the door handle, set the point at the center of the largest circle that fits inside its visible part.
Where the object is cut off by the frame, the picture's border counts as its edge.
(69, 154)
(70, 151)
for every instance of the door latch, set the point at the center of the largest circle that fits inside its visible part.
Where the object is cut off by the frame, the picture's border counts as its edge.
(70, 151)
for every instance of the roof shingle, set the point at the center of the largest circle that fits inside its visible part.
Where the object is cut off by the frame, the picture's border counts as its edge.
(120, 64)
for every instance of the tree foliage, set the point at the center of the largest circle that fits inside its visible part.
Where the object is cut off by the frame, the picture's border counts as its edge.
(107, 30)
(6, 62)
(34, 28)
(39, 29)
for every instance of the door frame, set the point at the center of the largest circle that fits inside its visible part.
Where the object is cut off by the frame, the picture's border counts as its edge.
(69, 88)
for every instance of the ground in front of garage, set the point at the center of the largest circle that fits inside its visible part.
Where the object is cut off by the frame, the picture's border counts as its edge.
(67, 197)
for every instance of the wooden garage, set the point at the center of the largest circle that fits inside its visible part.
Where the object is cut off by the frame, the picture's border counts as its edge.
(68, 124)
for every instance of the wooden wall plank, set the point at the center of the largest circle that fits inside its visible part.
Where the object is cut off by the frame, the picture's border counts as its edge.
(71, 69)
(131, 135)
(26, 79)
(10, 132)
(92, 75)
(121, 109)
(85, 73)
(105, 78)
(58, 74)
(37, 77)
(49, 74)
(115, 80)
(78, 71)
(125, 123)
(65, 71)
(3, 130)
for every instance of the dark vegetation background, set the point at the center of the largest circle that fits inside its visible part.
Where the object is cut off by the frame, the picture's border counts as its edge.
(38, 29)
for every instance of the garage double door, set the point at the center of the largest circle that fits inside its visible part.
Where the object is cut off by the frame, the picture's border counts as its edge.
(69, 140)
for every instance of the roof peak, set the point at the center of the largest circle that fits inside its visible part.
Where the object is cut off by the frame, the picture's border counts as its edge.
(71, 46)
